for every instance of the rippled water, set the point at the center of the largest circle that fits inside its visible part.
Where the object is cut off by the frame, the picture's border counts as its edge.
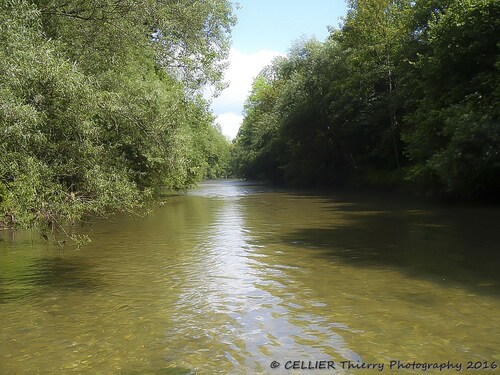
(233, 276)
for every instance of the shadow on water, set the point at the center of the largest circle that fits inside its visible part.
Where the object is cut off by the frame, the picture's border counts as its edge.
(42, 275)
(447, 245)
(65, 274)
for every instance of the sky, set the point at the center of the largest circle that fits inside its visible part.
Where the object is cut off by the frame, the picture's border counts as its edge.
(266, 29)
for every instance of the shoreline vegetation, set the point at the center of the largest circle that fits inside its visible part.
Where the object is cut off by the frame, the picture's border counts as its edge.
(102, 107)
(403, 96)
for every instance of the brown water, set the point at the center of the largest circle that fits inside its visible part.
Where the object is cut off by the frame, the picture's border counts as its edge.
(231, 277)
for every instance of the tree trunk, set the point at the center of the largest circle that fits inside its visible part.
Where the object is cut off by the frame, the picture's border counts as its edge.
(394, 120)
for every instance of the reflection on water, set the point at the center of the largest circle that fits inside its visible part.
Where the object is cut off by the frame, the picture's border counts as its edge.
(233, 276)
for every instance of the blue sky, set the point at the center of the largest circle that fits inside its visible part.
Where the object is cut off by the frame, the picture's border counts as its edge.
(275, 24)
(266, 29)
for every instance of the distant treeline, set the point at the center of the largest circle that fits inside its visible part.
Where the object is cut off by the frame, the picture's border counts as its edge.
(101, 105)
(404, 95)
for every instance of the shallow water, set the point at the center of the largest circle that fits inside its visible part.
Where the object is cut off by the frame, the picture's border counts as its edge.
(233, 276)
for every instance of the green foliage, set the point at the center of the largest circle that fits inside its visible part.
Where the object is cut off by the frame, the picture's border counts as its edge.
(405, 92)
(217, 151)
(470, 161)
(453, 130)
(92, 117)
(254, 154)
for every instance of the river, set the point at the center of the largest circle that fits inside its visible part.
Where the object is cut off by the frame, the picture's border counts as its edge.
(233, 277)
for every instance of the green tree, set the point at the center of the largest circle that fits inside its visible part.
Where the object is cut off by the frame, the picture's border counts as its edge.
(454, 130)
(374, 32)
(100, 105)
(404, 94)
(255, 153)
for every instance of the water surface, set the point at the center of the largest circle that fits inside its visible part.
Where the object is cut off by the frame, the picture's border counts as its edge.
(233, 276)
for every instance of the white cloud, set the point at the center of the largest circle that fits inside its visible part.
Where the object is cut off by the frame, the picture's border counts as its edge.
(243, 68)
(230, 123)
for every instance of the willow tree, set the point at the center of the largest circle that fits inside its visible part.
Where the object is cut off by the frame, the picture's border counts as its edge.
(101, 103)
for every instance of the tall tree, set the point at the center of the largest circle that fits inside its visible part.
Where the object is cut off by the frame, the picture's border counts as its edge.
(374, 31)
(101, 103)
(405, 93)
(454, 130)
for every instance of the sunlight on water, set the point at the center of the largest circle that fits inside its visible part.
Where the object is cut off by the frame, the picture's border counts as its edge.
(234, 276)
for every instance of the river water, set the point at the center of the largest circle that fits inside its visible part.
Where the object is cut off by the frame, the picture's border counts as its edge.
(233, 276)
